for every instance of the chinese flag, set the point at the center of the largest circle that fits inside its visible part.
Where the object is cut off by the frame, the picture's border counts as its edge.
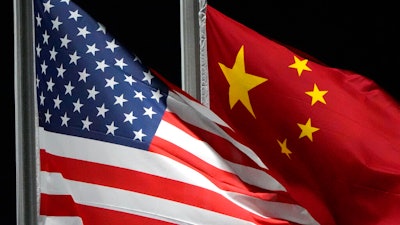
(330, 136)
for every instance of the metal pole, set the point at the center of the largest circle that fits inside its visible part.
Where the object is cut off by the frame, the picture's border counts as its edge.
(190, 63)
(24, 97)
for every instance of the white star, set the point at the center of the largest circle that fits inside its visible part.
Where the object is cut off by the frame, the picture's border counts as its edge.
(102, 111)
(149, 112)
(57, 102)
(77, 105)
(68, 89)
(101, 65)
(53, 54)
(120, 63)
(47, 6)
(74, 58)
(130, 117)
(44, 67)
(65, 41)
(139, 135)
(129, 79)
(86, 123)
(111, 45)
(42, 98)
(61, 71)
(45, 37)
(50, 85)
(120, 100)
(83, 75)
(137, 59)
(156, 95)
(92, 49)
(74, 15)
(111, 83)
(101, 28)
(47, 115)
(38, 50)
(38, 20)
(111, 128)
(147, 77)
(92, 93)
(56, 23)
(83, 32)
(139, 95)
(65, 119)
(66, 1)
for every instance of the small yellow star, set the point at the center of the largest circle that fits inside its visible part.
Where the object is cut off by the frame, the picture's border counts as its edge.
(307, 130)
(284, 148)
(240, 82)
(317, 95)
(300, 65)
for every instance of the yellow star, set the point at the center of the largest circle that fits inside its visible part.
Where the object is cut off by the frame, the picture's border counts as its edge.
(300, 65)
(284, 148)
(317, 95)
(307, 130)
(240, 82)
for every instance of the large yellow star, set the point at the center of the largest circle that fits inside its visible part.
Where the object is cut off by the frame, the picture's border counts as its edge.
(300, 65)
(316, 95)
(307, 130)
(284, 148)
(240, 82)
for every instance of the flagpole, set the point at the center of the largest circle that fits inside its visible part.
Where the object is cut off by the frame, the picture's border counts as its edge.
(190, 63)
(24, 97)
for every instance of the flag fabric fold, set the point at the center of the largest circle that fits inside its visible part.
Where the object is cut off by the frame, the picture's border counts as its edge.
(118, 144)
(331, 137)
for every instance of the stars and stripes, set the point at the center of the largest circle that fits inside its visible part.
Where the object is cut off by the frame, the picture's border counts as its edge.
(119, 145)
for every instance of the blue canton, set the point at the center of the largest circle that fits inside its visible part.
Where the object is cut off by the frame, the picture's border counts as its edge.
(87, 84)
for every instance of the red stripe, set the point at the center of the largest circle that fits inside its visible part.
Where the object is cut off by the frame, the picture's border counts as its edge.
(141, 183)
(57, 205)
(63, 205)
(224, 180)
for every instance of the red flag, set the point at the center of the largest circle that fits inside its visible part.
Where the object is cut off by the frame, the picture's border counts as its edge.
(330, 136)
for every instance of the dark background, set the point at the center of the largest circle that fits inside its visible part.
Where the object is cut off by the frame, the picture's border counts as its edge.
(364, 39)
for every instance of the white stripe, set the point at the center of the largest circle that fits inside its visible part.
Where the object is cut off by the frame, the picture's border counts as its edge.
(190, 144)
(121, 156)
(256, 177)
(147, 162)
(177, 103)
(59, 220)
(285, 211)
(205, 152)
(136, 203)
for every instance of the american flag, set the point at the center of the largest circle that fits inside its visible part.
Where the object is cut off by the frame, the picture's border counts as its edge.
(118, 144)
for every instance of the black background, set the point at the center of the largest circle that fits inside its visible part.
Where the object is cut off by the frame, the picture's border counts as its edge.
(362, 38)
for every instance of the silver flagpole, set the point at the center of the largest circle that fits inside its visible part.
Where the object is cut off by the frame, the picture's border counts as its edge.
(190, 63)
(24, 98)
